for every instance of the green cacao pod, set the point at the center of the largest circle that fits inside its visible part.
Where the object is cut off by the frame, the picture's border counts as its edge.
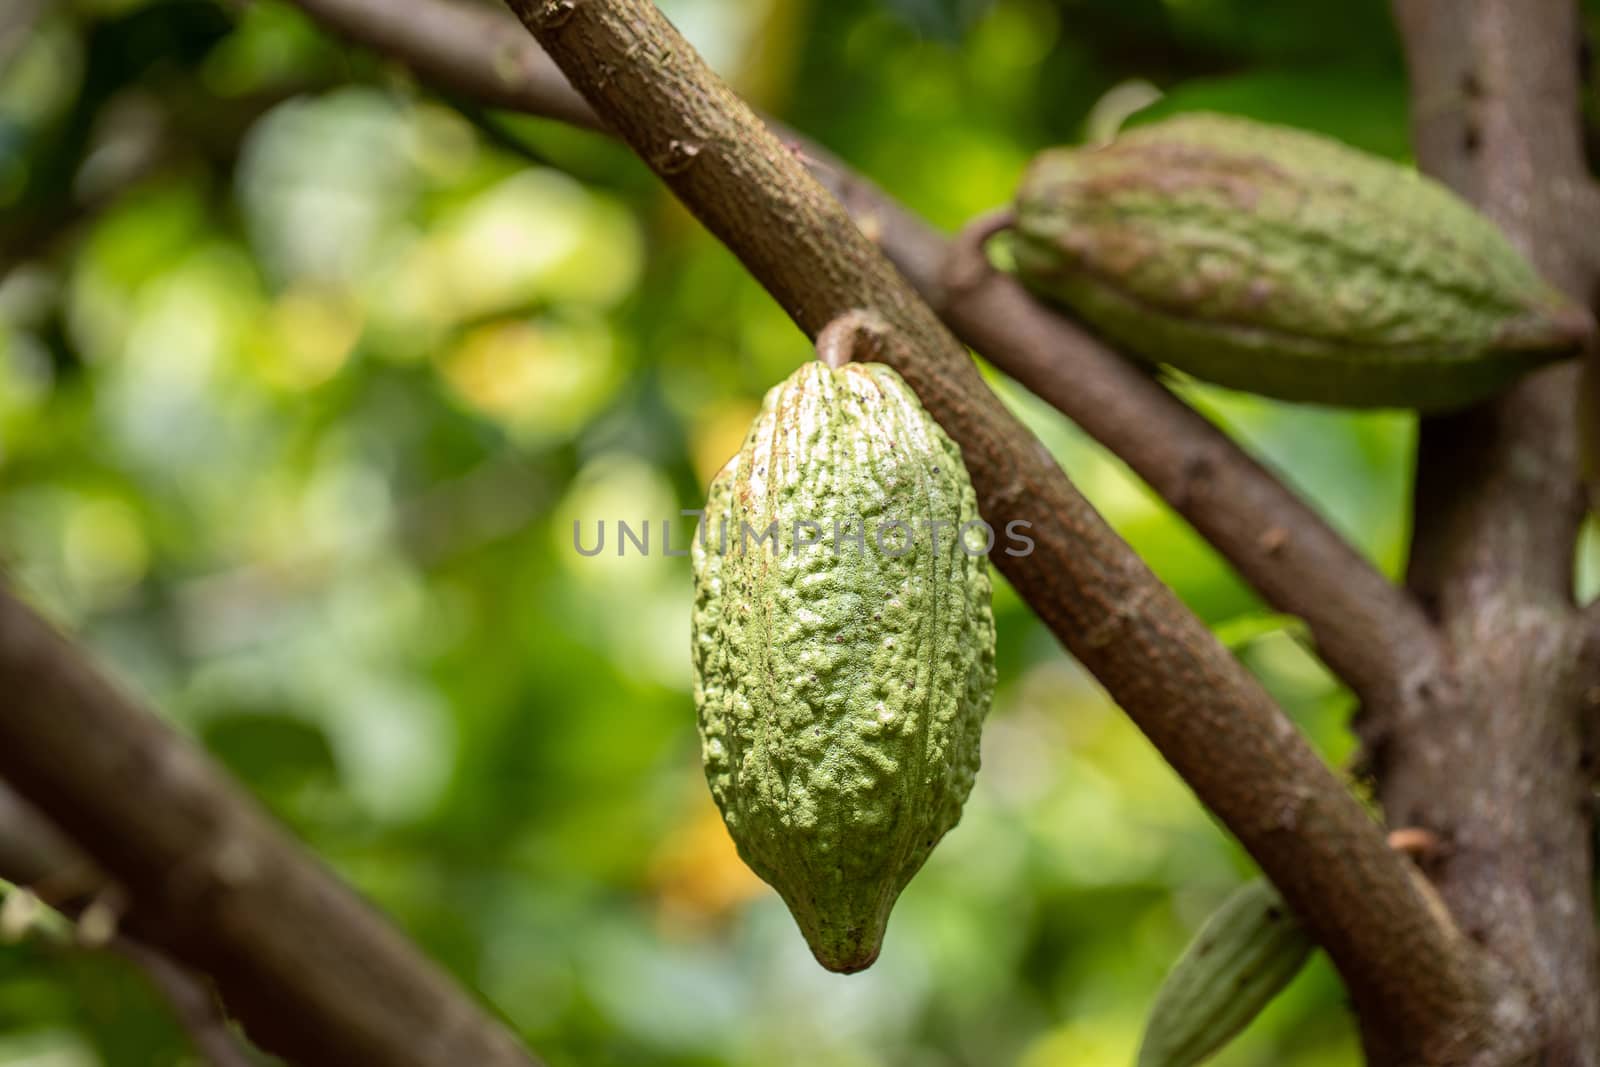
(1283, 263)
(1243, 956)
(841, 685)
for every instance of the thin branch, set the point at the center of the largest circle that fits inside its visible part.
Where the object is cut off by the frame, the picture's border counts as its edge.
(313, 973)
(34, 856)
(473, 50)
(1371, 633)
(193, 1004)
(1207, 715)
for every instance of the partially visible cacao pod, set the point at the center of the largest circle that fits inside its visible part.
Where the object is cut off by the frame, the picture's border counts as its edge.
(1284, 263)
(841, 685)
(1244, 955)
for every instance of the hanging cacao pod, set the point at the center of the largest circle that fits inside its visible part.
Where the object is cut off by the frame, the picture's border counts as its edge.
(1284, 263)
(841, 685)
(1244, 955)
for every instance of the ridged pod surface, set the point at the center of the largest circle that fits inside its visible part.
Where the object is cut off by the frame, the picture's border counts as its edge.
(841, 694)
(1243, 956)
(1284, 263)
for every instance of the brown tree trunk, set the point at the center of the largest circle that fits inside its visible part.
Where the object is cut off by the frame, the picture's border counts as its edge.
(1490, 754)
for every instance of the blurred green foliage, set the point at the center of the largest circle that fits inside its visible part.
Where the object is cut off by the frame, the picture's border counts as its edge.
(306, 374)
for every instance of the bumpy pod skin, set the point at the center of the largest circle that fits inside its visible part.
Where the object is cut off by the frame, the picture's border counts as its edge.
(1243, 956)
(841, 696)
(1283, 263)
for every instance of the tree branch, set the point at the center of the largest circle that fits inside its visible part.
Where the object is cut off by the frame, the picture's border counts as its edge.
(1209, 718)
(1371, 633)
(1492, 760)
(33, 856)
(472, 50)
(193, 1004)
(312, 972)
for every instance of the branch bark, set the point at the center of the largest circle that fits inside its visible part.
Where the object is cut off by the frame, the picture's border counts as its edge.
(1370, 632)
(309, 969)
(35, 857)
(1402, 958)
(1492, 760)
(192, 1002)
(465, 48)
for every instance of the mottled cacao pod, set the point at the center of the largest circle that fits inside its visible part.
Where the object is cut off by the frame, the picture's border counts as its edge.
(1242, 957)
(842, 684)
(1283, 263)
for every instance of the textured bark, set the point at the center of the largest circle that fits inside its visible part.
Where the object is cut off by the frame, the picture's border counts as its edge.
(313, 973)
(1490, 757)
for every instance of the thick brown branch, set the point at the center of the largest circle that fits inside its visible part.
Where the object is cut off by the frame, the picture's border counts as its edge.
(313, 973)
(1202, 710)
(1371, 633)
(1492, 761)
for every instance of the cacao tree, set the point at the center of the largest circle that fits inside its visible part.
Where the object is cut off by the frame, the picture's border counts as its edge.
(354, 248)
